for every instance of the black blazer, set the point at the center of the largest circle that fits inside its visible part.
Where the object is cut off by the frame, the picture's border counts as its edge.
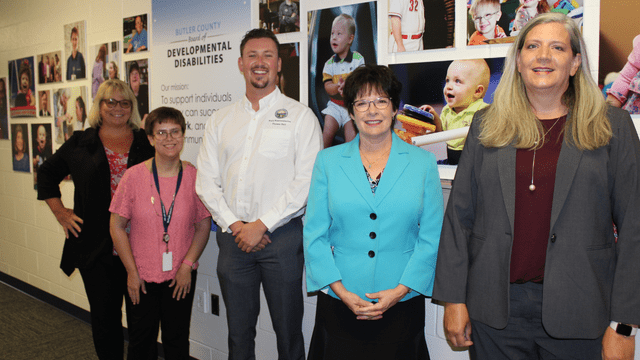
(83, 157)
(589, 278)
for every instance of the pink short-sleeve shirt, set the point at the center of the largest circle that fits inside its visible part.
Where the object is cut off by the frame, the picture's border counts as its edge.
(136, 199)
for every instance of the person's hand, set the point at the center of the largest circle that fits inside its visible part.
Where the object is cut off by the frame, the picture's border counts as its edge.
(361, 308)
(250, 235)
(182, 282)
(401, 47)
(262, 244)
(385, 300)
(616, 346)
(457, 325)
(69, 221)
(134, 285)
(611, 100)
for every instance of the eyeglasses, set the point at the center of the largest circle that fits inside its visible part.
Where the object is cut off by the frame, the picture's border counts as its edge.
(111, 103)
(487, 17)
(164, 134)
(381, 103)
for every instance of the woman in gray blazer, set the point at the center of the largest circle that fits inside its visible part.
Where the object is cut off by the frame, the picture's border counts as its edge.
(540, 247)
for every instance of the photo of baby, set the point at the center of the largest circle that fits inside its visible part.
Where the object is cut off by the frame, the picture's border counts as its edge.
(340, 45)
(450, 92)
(22, 88)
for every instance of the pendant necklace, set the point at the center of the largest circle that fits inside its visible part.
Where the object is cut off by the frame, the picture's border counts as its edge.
(532, 187)
(379, 157)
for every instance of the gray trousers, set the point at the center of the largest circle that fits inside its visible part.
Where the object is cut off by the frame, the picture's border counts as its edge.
(279, 268)
(524, 338)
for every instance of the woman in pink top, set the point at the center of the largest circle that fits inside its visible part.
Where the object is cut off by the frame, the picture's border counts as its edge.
(169, 228)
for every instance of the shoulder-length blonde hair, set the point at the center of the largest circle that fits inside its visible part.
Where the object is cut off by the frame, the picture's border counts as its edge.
(106, 91)
(510, 119)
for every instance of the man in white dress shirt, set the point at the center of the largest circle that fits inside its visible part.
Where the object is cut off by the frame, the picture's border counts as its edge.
(254, 172)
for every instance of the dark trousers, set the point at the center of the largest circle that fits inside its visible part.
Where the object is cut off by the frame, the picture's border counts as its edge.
(106, 283)
(158, 307)
(524, 338)
(279, 268)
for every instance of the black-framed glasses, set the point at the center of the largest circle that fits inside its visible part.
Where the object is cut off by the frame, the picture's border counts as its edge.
(164, 134)
(381, 103)
(486, 17)
(111, 103)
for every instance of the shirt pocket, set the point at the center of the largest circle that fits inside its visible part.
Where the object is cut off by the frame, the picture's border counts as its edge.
(274, 143)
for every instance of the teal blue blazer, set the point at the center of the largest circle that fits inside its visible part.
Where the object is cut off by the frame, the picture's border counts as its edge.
(373, 242)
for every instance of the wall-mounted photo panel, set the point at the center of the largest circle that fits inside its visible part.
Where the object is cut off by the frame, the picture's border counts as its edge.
(75, 45)
(340, 39)
(44, 103)
(280, 16)
(42, 147)
(619, 68)
(4, 115)
(138, 78)
(20, 147)
(105, 64)
(496, 21)
(22, 88)
(70, 108)
(135, 33)
(50, 67)
(289, 77)
(451, 92)
(416, 25)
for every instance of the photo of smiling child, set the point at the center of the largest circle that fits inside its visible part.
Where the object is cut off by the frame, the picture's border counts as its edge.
(42, 147)
(22, 88)
(485, 15)
(335, 72)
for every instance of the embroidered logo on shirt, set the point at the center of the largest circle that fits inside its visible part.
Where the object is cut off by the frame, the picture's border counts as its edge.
(282, 113)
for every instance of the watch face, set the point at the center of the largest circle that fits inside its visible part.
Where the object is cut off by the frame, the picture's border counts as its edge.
(624, 329)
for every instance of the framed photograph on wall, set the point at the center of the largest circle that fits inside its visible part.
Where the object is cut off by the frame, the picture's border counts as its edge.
(50, 67)
(4, 115)
(75, 45)
(136, 38)
(20, 148)
(22, 88)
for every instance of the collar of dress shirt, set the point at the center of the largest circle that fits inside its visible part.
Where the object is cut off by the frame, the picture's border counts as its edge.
(265, 102)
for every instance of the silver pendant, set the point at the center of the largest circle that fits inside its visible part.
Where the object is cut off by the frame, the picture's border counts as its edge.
(165, 237)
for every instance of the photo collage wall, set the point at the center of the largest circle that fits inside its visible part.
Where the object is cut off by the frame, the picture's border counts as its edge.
(47, 96)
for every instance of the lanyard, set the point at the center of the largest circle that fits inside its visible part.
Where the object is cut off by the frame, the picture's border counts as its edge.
(166, 217)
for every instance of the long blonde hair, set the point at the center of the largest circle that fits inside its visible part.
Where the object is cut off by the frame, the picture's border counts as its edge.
(510, 119)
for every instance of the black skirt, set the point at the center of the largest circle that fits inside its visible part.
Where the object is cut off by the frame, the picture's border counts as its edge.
(339, 335)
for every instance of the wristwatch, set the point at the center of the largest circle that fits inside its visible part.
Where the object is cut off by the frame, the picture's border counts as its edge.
(190, 264)
(623, 329)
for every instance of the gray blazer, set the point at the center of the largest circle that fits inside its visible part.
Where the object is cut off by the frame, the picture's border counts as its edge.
(589, 278)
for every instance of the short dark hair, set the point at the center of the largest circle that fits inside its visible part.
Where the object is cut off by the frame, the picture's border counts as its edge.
(370, 77)
(134, 66)
(164, 114)
(74, 30)
(25, 68)
(258, 34)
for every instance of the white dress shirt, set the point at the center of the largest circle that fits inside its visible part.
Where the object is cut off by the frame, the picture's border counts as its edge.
(257, 165)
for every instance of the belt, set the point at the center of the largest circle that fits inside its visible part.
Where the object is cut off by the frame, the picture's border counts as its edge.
(413, 37)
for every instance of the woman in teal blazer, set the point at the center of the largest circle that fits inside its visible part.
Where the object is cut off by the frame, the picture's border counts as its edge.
(372, 231)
